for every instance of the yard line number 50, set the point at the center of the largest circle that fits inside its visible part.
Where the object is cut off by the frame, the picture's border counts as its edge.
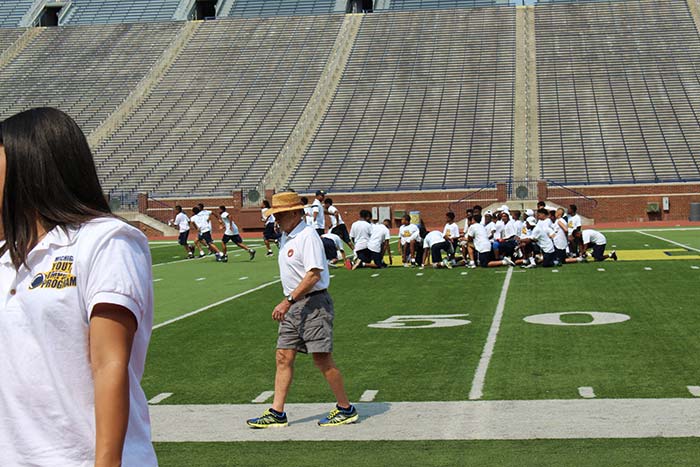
(448, 321)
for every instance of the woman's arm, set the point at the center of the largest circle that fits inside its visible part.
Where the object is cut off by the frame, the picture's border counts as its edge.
(112, 329)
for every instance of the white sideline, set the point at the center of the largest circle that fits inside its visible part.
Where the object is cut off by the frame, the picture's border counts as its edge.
(468, 420)
(669, 241)
(220, 302)
(264, 396)
(160, 397)
(480, 376)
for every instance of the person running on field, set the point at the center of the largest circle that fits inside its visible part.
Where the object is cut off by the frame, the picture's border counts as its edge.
(200, 221)
(270, 234)
(231, 234)
(305, 315)
(182, 222)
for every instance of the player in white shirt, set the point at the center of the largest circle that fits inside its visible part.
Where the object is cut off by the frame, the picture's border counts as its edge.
(561, 239)
(506, 243)
(451, 233)
(360, 233)
(378, 245)
(482, 246)
(231, 234)
(77, 306)
(574, 221)
(490, 226)
(305, 315)
(338, 226)
(200, 220)
(434, 244)
(270, 234)
(541, 235)
(333, 246)
(409, 236)
(182, 222)
(595, 240)
(318, 216)
(308, 212)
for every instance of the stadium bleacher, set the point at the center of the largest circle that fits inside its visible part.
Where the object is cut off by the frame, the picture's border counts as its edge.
(8, 37)
(252, 8)
(402, 5)
(86, 71)
(119, 11)
(12, 11)
(619, 92)
(225, 108)
(426, 102)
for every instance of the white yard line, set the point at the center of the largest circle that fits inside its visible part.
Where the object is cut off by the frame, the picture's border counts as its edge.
(173, 262)
(468, 420)
(477, 389)
(263, 397)
(586, 392)
(160, 397)
(669, 229)
(220, 302)
(669, 241)
(368, 395)
(694, 390)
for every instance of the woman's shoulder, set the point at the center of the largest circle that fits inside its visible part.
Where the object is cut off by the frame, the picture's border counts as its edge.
(102, 228)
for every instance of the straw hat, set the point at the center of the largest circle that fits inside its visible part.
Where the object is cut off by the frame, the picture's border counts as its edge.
(285, 201)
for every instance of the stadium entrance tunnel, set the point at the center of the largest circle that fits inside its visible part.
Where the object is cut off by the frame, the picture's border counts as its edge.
(359, 6)
(49, 16)
(204, 9)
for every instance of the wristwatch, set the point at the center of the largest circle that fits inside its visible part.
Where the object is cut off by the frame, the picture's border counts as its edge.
(290, 299)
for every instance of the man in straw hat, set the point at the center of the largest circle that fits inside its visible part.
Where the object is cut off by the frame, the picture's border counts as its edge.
(305, 314)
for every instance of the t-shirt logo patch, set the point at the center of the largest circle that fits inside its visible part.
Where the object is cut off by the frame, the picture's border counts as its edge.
(290, 253)
(59, 277)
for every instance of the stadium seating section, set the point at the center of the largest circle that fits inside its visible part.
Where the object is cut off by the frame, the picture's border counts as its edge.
(619, 92)
(430, 107)
(426, 100)
(224, 110)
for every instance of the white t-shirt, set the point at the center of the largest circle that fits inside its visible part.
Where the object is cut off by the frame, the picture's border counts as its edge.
(574, 222)
(333, 211)
(521, 228)
(433, 238)
(201, 220)
(510, 229)
(47, 401)
(451, 231)
(498, 230)
(317, 208)
(490, 229)
(380, 234)
(300, 252)
(230, 227)
(207, 214)
(594, 237)
(408, 233)
(541, 234)
(360, 232)
(336, 239)
(308, 217)
(561, 240)
(481, 238)
(182, 222)
(267, 219)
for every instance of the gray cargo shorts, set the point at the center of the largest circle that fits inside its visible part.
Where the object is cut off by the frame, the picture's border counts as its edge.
(308, 325)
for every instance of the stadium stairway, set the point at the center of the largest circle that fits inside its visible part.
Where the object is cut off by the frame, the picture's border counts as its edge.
(282, 169)
(19, 45)
(135, 217)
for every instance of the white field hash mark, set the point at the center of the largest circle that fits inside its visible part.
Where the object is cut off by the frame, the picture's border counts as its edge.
(263, 397)
(477, 390)
(694, 390)
(586, 392)
(160, 397)
(368, 395)
(201, 279)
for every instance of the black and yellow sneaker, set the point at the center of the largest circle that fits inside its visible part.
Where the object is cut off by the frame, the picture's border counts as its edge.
(339, 416)
(269, 419)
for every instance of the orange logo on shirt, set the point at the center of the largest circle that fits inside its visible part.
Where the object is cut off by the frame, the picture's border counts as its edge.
(290, 253)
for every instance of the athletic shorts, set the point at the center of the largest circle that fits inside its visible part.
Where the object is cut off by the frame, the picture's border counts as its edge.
(270, 233)
(365, 255)
(437, 249)
(182, 238)
(232, 238)
(560, 255)
(507, 248)
(341, 231)
(377, 258)
(329, 248)
(308, 325)
(599, 252)
(205, 237)
(548, 259)
(485, 258)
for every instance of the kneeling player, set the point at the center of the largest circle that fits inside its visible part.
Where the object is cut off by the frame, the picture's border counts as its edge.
(590, 238)
(434, 244)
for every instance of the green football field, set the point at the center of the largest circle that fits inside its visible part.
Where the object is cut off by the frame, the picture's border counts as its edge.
(612, 330)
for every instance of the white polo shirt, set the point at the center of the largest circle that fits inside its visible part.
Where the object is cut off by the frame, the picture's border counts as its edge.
(47, 407)
(433, 238)
(594, 237)
(334, 212)
(380, 234)
(301, 251)
(360, 232)
(182, 222)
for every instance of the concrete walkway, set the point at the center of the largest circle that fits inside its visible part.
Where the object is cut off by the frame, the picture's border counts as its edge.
(542, 419)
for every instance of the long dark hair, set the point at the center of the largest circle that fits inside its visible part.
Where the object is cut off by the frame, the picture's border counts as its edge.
(50, 177)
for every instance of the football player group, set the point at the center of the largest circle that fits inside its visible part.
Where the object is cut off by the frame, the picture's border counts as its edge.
(547, 237)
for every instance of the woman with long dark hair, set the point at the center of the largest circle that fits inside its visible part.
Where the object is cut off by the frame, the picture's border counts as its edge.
(76, 305)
